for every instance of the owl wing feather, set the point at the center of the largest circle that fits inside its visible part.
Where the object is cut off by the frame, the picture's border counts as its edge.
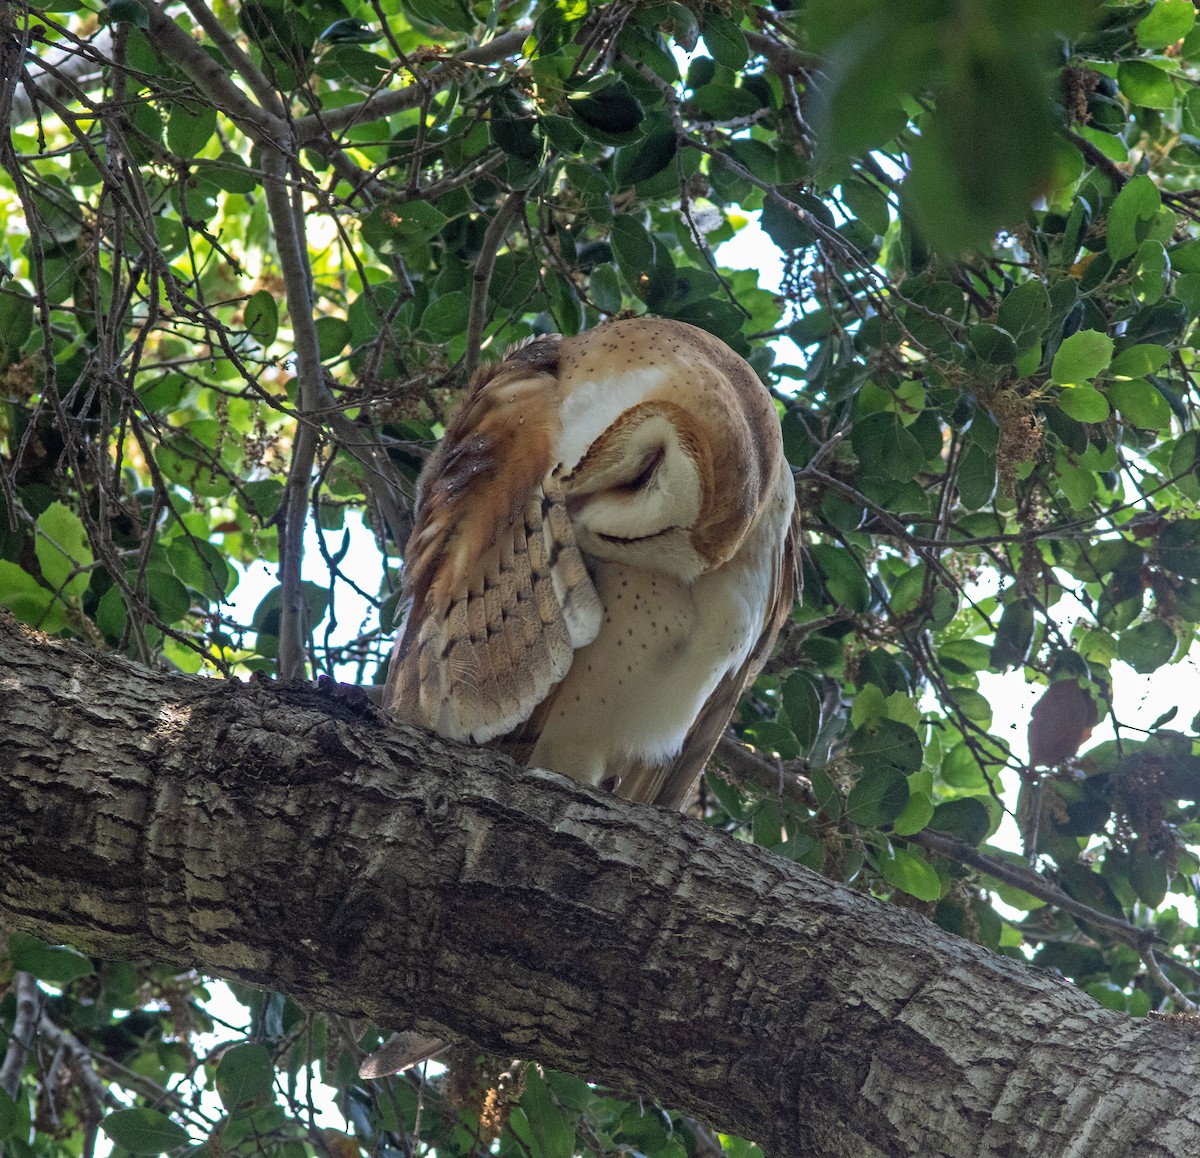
(668, 783)
(499, 597)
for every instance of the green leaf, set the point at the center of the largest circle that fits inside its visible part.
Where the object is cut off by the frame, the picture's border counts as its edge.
(552, 1134)
(725, 40)
(766, 824)
(883, 743)
(245, 1075)
(1147, 646)
(976, 478)
(993, 344)
(803, 707)
(229, 172)
(633, 247)
(333, 335)
(885, 446)
(1129, 219)
(911, 873)
(16, 325)
(774, 738)
(1025, 313)
(1084, 404)
(1077, 484)
(1151, 272)
(61, 547)
(648, 156)
(1081, 357)
(513, 125)
(56, 964)
(1139, 361)
(261, 317)
(261, 498)
(266, 615)
(1179, 548)
(391, 227)
(447, 316)
(789, 228)
(604, 288)
(824, 789)
(144, 1131)
(967, 818)
(1141, 404)
(1165, 23)
(974, 705)
(8, 1115)
(201, 566)
(168, 597)
(1014, 636)
(28, 600)
(1149, 877)
(1145, 84)
(128, 12)
(916, 815)
(190, 128)
(842, 576)
(868, 204)
(878, 798)
(610, 112)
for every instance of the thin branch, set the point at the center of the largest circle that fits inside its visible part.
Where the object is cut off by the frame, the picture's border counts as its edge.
(1184, 1003)
(183, 52)
(283, 209)
(783, 57)
(750, 767)
(384, 104)
(493, 238)
(1033, 883)
(236, 58)
(24, 1031)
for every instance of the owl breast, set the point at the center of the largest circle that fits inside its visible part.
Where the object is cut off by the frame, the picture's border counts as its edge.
(602, 554)
(664, 647)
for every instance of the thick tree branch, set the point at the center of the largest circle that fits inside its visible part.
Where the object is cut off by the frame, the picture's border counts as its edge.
(300, 840)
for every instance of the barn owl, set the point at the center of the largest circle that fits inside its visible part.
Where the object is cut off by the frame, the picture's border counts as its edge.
(604, 549)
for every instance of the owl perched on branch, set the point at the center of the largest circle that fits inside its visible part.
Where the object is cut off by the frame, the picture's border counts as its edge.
(604, 549)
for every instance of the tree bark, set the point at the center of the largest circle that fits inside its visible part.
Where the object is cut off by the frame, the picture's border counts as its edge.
(295, 838)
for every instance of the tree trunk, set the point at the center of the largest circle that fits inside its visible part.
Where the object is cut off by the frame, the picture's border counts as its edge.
(295, 838)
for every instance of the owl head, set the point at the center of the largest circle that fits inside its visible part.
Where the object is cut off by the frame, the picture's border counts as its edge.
(668, 445)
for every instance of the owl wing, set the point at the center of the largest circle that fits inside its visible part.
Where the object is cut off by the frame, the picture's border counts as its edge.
(667, 784)
(498, 594)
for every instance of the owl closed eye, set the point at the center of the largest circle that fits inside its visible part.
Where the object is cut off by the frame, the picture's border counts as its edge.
(604, 550)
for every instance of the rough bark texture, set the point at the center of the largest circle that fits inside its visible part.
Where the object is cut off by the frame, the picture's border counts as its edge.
(296, 839)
